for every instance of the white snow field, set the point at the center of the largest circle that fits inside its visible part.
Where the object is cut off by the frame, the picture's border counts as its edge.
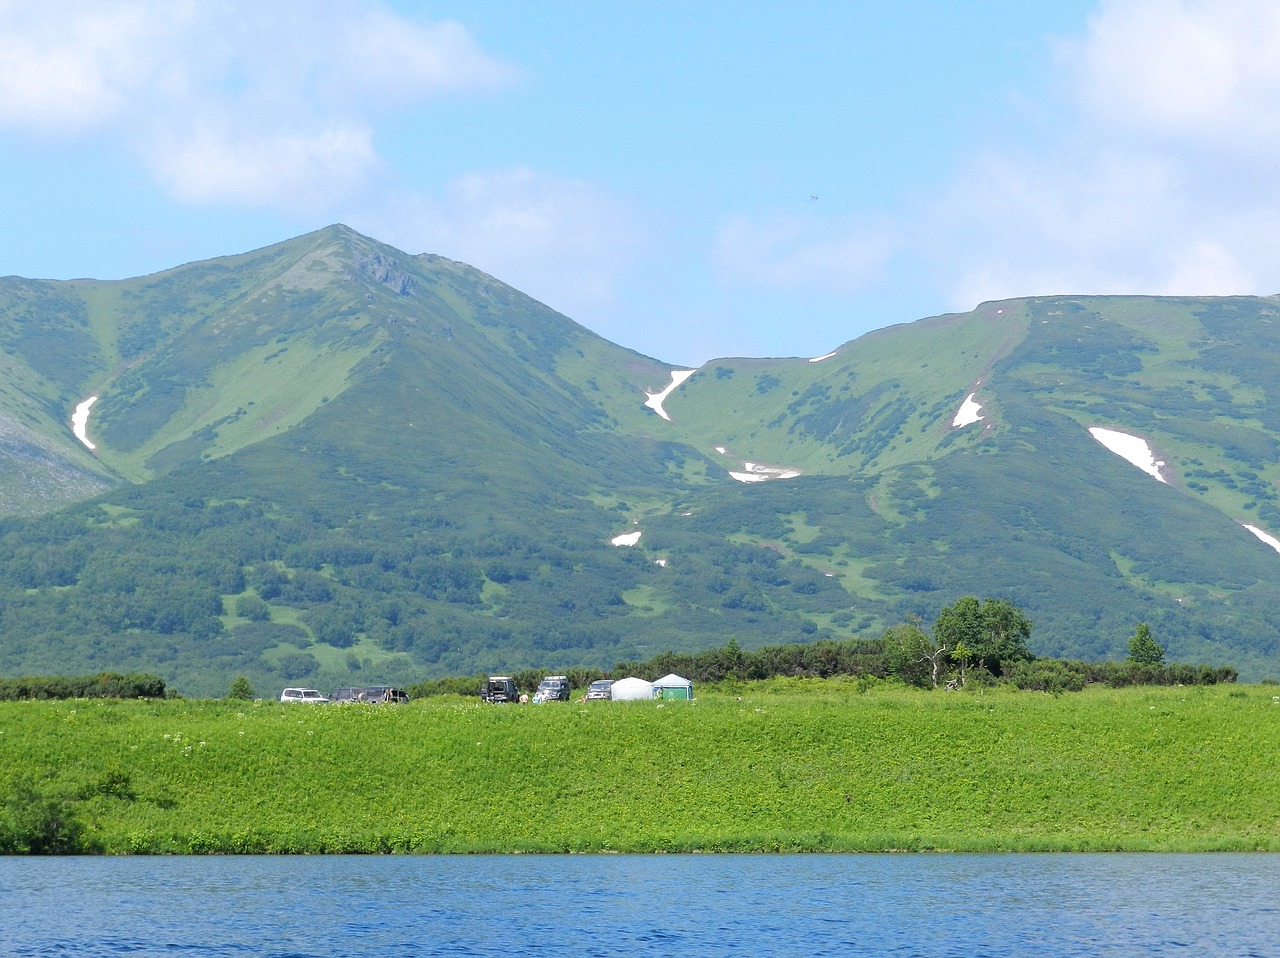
(626, 539)
(1265, 537)
(656, 400)
(967, 414)
(80, 420)
(1132, 449)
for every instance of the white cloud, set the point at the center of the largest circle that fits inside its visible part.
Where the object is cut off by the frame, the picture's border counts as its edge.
(69, 67)
(1161, 176)
(562, 241)
(1184, 68)
(251, 103)
(1090, 222)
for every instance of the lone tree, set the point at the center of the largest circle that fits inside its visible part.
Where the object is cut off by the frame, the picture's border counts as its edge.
(992, 632)
(240, 689)
(1143, 649)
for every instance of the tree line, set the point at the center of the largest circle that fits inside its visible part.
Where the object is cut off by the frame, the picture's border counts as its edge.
(104, 685)
(974, 640)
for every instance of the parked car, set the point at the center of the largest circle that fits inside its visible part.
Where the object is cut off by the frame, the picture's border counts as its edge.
(553, 688)
(303, 695)
(372, 694)
(499, 689)
(599, 690)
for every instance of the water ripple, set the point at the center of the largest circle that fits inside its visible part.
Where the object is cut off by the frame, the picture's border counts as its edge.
(757, 905)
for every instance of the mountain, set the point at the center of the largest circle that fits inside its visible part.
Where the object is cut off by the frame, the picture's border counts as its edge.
(329, 459)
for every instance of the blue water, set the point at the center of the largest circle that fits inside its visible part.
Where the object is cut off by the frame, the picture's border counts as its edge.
(697, 905)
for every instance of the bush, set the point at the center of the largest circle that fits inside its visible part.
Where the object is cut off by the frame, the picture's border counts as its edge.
(454, 685)
(253, 608)
(1048, 675)
(1059, 675)
(32, 823)
(240, 689)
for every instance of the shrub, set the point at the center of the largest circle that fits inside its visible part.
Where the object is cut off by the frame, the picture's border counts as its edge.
(105, 685)
(32, 823)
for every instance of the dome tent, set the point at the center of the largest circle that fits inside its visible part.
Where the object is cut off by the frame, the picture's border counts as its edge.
(631, 690)
(673, 687)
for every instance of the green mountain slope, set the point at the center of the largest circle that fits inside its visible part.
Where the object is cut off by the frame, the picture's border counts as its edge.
(1024, 502)
(329, 459)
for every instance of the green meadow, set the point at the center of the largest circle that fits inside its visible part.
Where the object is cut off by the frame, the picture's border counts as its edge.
(786, 765)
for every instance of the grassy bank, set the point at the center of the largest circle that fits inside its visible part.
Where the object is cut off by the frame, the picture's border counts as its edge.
(788, 766)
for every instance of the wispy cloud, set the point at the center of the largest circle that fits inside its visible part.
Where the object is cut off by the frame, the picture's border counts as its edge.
(562, 241)
(790, 252)
(257, 104)
(302, 170)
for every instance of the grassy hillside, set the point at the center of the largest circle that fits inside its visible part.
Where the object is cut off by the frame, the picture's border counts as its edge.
(876, 403)
(781, 766)
(330, 460)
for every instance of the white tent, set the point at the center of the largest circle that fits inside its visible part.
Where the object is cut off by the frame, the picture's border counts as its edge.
(630, 690)
(673, 687)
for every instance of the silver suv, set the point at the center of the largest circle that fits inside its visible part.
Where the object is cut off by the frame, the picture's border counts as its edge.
(372, 694)
(303, 695)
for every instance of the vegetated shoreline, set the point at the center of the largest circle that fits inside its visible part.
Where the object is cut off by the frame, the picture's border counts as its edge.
(777, 766)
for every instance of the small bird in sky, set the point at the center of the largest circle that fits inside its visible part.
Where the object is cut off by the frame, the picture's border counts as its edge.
(812, 197)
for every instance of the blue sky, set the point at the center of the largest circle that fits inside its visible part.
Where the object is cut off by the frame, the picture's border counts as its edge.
(647, 168)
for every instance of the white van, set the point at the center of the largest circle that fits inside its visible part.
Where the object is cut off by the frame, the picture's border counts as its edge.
(303, 695)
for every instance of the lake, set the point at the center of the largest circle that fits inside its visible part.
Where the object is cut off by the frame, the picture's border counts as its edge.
(703, 905)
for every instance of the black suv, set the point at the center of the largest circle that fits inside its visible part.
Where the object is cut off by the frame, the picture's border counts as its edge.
(498, 689)
(553, 688)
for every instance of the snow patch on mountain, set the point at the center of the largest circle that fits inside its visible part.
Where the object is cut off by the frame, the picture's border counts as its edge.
(968, 413)
(626, 539)
(818, 359)
(758, 472)
(1264, 536)
(755, 472)
(80, 420)
(1132, 449)
(655, 400)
